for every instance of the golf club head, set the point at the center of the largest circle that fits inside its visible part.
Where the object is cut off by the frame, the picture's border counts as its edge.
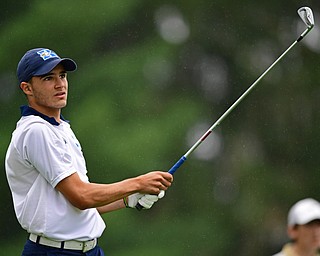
(307, 16)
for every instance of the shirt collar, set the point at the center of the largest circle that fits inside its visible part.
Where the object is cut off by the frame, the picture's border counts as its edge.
(28, 111)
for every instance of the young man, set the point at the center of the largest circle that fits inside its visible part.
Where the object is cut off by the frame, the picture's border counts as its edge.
(303, 229)
(46, 170)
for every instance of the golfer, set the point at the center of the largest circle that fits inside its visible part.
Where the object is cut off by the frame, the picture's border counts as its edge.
(303, 229)
(46, 170)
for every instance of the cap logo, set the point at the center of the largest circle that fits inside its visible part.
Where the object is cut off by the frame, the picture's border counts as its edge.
(46, 54)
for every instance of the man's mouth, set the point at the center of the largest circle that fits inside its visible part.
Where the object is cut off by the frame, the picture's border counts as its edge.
(60, 94)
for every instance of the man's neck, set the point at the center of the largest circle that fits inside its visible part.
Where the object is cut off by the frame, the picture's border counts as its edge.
(27, 111)
(50, 112)
(301, 250)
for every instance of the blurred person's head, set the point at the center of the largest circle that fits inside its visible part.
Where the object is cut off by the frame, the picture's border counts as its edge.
(304, 224)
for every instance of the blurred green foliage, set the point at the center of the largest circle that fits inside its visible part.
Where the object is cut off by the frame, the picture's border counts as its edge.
(137, 99)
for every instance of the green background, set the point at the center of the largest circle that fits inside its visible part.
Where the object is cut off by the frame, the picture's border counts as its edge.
(152, 77)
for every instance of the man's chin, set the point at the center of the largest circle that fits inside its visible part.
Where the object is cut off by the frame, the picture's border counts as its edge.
(61, 104)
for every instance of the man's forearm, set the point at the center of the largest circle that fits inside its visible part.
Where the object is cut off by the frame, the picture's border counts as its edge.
(111, 207)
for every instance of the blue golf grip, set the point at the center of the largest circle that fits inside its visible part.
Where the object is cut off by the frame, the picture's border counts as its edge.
(177, 165)
(173, 169)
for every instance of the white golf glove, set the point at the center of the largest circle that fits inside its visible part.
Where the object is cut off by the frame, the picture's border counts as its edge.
(133, 200)
(147, 201)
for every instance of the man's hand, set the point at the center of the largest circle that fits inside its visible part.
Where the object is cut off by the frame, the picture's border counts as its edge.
(133, 200)
(153, 182)
(152, 187)
(146, 201)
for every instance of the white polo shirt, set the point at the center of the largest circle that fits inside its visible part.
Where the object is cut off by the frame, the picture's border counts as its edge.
(43, 152)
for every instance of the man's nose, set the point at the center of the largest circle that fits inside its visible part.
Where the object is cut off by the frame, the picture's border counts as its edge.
(59, 83)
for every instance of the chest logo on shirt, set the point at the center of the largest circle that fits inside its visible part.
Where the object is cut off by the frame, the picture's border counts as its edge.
(75, 141)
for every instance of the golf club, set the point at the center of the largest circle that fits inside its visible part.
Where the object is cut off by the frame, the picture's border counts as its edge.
(307, 17)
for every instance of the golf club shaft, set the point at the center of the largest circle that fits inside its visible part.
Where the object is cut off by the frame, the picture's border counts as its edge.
(176, 166)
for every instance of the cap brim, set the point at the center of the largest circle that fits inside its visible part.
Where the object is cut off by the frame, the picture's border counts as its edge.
(307, 218)
(68, 64)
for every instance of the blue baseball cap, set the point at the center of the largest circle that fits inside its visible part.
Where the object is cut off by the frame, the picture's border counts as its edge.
(40, 61)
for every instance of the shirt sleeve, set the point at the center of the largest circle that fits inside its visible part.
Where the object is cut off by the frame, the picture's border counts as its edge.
(48, 153)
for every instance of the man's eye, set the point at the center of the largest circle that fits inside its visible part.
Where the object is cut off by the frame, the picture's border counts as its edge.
(63, 75)
(47, 78)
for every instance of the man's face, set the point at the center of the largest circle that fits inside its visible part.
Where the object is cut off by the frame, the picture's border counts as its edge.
(308, 235)
(49, 92)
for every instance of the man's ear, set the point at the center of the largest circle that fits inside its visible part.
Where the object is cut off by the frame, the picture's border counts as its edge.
(292, 232)
(26, 88)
